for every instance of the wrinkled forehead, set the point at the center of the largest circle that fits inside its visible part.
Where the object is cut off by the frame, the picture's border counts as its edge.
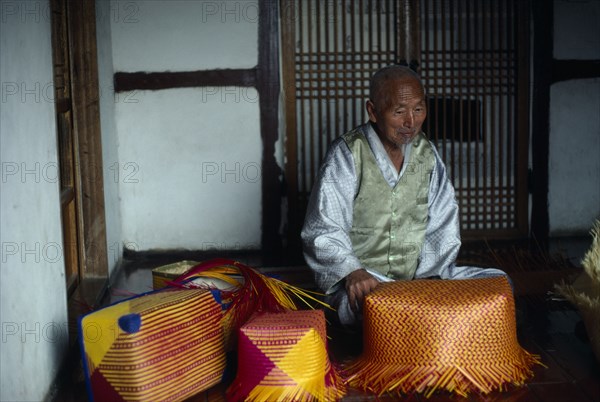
(396, 92)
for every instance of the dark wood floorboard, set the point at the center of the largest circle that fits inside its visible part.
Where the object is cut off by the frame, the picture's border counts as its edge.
(551, 329)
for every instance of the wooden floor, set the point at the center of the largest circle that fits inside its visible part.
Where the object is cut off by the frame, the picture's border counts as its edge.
(547, 327)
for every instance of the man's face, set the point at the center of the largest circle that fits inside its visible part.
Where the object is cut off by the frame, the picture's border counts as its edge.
(399, 112)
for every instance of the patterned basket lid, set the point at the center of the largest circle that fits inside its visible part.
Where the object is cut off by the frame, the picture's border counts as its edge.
(283, 357)
(457, 335)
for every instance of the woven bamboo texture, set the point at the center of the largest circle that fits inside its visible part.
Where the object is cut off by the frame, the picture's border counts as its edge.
(161, 346)
(427, 335)
(283, 357)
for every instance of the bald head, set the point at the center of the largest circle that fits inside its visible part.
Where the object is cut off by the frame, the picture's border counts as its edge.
(382, 79)
(397, 108)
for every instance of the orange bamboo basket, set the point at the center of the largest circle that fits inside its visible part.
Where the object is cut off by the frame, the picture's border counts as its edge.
(427, 335)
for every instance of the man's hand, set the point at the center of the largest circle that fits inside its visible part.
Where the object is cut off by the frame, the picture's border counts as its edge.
(359, 283)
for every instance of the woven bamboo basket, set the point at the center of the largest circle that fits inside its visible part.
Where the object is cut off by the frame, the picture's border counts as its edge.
(163, 345)
(163, 274)
(283, 357)
(427, 335)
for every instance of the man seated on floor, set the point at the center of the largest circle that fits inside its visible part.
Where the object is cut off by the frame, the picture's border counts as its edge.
(382, 207)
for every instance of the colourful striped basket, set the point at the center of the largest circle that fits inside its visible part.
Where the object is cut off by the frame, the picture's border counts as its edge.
(283, 357)
(160, 346)
(453, 335)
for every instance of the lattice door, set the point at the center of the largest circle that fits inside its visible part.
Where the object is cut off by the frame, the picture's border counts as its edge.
(473, 61)
(472, 58)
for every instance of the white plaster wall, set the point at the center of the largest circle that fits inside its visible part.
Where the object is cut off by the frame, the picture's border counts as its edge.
(574, 171)
(160, 35)
(574, 167)
(110, 157)
(189, 159)
(33, 308)
(192, 165)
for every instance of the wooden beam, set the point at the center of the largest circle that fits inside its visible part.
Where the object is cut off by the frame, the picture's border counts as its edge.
(523, 15)
(543, 18)
(409, 34)
(268, 88)
(184, 79)
(288, 71)
(563, 70)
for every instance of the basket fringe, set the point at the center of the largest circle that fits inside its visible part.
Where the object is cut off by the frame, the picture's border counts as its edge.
(307, 392)
(384, 377)
(329, 388)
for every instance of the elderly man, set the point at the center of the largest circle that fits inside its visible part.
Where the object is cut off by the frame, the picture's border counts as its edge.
(382, 207)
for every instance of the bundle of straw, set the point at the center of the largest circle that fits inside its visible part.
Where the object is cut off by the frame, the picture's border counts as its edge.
(248, 292)
(584, 293)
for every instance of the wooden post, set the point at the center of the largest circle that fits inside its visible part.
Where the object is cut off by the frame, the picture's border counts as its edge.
(409, 34)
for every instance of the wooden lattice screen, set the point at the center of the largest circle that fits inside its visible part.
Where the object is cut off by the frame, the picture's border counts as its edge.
(472, 63)
(471, 55)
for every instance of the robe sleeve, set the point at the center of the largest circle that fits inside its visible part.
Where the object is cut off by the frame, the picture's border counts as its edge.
(326, 232)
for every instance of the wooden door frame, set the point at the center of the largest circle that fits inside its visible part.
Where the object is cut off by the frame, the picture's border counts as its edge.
(288, 78)
(88, 172)
(546, 71)
(542, 16)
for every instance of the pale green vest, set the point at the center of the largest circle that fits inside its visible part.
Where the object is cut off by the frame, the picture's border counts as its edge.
(388, 226)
